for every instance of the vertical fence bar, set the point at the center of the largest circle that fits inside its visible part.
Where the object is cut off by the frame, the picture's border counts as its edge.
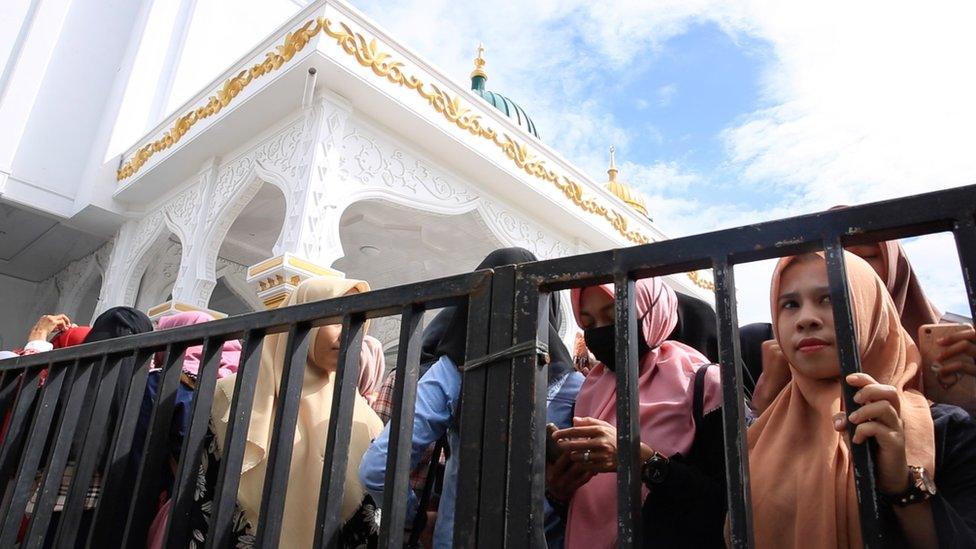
(329, 518)
(118, 477)
(494, 465)
(91, 450)
(472, 414)
(9, 387)
(526, 461)
(401, 428)
(23, 482)
(283, 437)
(850, 362)
(181, 494)
(232, 456)
(628, 426)
(733, 412)
(26, 386)
(965, 234)
(148, 486)
(50, 484)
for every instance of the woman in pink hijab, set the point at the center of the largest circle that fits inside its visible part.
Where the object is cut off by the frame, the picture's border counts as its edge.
(372, 366)
(230, 355)
(679, 409)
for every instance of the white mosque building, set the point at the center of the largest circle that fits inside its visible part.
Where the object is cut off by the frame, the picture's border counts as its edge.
(327, 149)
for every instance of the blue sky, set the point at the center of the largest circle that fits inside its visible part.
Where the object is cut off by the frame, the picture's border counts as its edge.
(677, 103)
(732, 113)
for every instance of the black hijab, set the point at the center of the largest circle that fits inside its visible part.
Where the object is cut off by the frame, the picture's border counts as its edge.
(455, 321)
(113, 323)
(697, 326)
(432, 337)
(751, 338)
(119, 322)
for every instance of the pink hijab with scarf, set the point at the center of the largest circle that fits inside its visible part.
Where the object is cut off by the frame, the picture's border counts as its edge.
(372, 365)
(230, 355)
(665, 385)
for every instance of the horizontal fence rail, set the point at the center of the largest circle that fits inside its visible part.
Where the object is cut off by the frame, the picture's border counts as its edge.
(84, 413)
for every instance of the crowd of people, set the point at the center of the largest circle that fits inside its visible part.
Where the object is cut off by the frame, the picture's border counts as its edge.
(916, 409)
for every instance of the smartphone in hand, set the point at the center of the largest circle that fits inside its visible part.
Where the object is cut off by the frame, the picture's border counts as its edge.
(958, 390)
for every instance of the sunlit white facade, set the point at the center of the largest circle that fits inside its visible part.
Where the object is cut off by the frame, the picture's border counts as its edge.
(209, 154)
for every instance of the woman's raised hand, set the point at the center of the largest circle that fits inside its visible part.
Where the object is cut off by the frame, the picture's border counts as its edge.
(48, 324)
(959, 354)
(879, 417)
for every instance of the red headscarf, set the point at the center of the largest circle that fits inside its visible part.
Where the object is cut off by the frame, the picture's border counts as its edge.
(71, 337)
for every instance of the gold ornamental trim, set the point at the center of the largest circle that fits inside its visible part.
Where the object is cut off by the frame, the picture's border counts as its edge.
(367, 54)
(273, 60)
(312, 267)
(265, 266)
(275, 301)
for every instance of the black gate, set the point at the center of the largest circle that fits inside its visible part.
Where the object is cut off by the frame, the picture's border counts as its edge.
(92, 393)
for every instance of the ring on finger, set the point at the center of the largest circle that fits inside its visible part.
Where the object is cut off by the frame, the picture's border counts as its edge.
(586, 456)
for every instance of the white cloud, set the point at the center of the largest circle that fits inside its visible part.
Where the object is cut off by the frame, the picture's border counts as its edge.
(665, 94)
(859, 101)
(660, 177)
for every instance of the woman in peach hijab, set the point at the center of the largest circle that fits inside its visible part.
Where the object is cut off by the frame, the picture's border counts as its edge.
(958, 356)
(801, 469)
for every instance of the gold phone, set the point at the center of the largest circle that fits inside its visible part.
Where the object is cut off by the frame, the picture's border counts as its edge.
(961, 390)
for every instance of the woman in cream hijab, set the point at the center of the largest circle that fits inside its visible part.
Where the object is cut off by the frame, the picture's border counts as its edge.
(302, 495)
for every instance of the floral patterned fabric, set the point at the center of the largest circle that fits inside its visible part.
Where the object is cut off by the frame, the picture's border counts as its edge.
(362, 530)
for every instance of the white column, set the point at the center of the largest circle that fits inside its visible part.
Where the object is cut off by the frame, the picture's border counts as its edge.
(310, 242)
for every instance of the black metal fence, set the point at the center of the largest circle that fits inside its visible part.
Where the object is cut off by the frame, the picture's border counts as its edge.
(92, 393)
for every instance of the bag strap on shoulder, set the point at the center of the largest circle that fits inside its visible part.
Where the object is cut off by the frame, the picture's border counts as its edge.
(698, 401)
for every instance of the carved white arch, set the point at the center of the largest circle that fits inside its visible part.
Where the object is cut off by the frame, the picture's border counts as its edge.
(152, 235)
(256, 177)
(377, 167)
(235, 278)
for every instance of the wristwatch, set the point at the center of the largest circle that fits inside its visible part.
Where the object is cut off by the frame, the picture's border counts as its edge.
(920, 488)
(655, 469)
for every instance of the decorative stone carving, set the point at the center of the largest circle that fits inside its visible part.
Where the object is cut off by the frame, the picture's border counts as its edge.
(516, 231)
(73, 282)
(275, 154)
(147, 229)
(372, 162)
(159, 275)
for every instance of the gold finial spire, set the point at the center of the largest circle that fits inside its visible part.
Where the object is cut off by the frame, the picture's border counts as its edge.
(612, 171)
(479, 63)
(624, 192)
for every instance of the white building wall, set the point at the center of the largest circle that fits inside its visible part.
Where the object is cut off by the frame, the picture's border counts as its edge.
(16, 295)
(59, 94)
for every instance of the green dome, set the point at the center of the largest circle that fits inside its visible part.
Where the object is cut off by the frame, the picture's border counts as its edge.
(497, 100)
